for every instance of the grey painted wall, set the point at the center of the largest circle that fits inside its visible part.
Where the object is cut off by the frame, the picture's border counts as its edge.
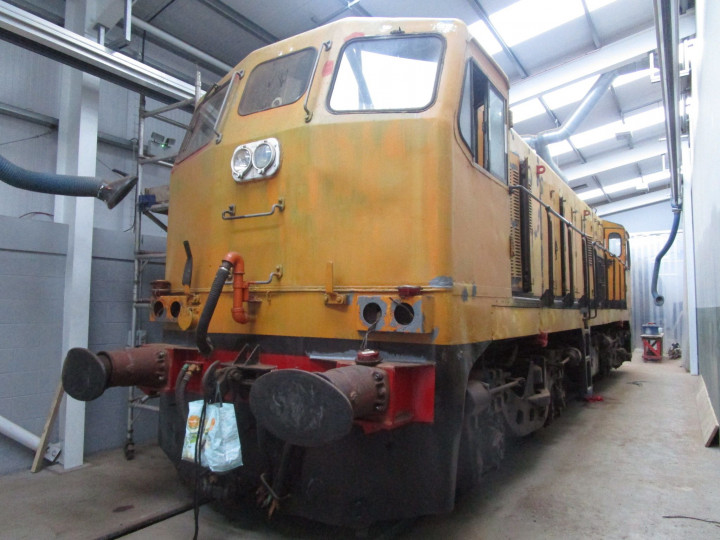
(32, 267)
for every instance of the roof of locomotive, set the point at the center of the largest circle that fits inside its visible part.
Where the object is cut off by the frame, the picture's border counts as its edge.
(354, 27)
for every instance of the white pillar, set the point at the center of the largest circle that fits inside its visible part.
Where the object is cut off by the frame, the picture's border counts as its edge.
(77, 153)
(691, 347)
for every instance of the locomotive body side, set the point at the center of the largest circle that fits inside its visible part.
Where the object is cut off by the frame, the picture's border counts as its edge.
(433, 287)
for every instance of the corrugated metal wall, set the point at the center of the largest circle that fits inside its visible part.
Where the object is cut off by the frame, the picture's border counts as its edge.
(671, 284)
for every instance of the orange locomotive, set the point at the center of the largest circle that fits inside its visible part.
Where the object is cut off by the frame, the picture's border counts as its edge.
(402, 283)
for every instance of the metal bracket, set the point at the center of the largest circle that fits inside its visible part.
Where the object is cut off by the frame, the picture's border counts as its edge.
(332, 297)
(229, 214)
(278, 273)
(52, 451)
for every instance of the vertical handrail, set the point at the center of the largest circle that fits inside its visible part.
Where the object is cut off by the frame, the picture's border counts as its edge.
(308, 113)
(222, 112)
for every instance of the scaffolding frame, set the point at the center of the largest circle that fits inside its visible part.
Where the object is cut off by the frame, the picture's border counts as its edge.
(141, 258)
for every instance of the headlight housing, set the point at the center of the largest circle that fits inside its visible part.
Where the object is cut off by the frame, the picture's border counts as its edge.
(263, 156)
(258, 159)
(241, 162)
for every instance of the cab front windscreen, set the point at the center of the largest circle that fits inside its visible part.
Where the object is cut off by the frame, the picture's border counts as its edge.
(397, 73)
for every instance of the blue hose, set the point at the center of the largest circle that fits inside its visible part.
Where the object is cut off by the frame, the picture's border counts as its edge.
(61, 184)
(660, 299)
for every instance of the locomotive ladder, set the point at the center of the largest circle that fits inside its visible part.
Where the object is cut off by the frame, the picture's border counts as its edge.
(145, 207)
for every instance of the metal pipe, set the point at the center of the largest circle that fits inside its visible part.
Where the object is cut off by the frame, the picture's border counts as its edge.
(571, 124)
(18, 434)
(541, 141)
(543, 152)
(666, 27)
(507, 386)
(174, 106)
(660, 299)
(39, 35)
(111, 193)
(127, 21)
(180, 45)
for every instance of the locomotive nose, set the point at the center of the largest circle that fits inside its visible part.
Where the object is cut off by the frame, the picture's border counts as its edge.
(312, 409)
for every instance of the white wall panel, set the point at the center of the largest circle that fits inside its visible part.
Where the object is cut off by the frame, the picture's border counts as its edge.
(705, 193)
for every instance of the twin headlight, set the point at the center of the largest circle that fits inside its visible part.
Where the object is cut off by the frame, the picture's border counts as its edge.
(259, 159)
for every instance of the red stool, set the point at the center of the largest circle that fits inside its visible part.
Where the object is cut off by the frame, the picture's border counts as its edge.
(652, 347)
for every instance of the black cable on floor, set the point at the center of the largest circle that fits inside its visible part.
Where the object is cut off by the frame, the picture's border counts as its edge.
(198, 470)
(147, 522)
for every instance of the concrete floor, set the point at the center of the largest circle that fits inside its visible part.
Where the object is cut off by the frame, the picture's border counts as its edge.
(630, 466)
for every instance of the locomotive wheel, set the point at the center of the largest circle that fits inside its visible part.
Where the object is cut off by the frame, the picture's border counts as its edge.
(470, 461)
(482, 447)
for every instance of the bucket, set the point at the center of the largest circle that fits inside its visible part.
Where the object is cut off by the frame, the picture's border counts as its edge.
(650, 329)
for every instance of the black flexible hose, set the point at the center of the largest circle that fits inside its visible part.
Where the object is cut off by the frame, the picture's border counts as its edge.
(180, 385)
(660, 299)
(62, 184)
(203, 342)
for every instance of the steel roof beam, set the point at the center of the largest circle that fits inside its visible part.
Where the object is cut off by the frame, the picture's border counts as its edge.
(180, 45)
(615, 159)
(240, 20)
(609, 57)
(48, 39)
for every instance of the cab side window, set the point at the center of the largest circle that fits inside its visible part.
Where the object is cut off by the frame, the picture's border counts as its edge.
(482, 122)
(615, 244)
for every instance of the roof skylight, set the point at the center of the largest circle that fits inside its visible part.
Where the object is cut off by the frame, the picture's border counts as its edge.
(640, 182)
(526, 19)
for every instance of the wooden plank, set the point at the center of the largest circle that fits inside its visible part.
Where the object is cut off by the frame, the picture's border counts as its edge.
(708, 420)
(42, 447)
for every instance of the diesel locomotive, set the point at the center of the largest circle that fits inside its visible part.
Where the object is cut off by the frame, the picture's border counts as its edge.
(376, 271)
